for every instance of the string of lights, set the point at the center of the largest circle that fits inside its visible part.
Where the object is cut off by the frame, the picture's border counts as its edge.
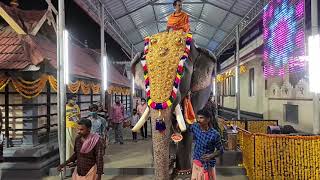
(284, 37)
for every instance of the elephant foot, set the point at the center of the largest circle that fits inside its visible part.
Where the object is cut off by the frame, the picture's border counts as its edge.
(182, 174)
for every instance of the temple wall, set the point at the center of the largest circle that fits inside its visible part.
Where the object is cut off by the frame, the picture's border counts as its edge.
(271, 96)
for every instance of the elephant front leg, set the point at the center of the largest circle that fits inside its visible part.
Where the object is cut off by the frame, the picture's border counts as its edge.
(183, 160)
(161, 146)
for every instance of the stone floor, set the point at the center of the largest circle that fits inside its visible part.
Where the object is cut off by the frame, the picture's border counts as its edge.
(132, 156)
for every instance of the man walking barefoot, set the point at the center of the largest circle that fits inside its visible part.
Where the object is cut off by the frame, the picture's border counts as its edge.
(88, 154)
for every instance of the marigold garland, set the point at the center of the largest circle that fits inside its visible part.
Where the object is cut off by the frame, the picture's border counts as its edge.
(31, 89)
(260, 126)
(274, 156)
(30, 82)
(269, 156)
(96, 88)
(85, 88)
(74, 87)
(53, 83)
(119, 90)
(4, 80)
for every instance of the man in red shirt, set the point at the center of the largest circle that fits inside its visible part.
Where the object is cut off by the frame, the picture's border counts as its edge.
(117, 115)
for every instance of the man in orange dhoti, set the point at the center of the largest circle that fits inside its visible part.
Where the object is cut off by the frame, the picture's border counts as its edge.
(178, 20)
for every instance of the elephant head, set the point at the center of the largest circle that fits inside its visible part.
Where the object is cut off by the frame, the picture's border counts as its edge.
(168, 55)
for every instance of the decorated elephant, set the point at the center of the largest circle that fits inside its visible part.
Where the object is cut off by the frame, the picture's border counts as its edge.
(170, 67)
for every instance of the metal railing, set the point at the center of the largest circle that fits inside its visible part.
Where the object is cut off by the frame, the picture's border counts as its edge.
(243, 25)
(111, 25)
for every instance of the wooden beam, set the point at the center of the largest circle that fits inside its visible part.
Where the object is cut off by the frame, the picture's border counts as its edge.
(36, 29)
(50, 6)
(50, 17)
(52, 21)
(13, 24)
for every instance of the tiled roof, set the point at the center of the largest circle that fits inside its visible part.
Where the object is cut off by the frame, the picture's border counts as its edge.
(19, 51)
(12, 50)
(27, 20)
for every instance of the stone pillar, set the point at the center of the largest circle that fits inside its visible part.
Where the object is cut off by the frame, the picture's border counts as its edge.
(30, 138)
(30, 113)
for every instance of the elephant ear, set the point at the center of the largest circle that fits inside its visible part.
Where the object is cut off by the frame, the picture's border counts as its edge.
(203, 68)
(137, 70)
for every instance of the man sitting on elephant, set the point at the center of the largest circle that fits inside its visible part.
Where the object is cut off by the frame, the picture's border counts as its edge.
(178, 20)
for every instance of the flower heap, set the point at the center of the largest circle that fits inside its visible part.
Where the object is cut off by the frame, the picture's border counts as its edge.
(161, 56)
(260, 126)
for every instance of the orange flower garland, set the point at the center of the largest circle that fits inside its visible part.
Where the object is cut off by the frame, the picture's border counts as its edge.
(273, 156)
(119, 90)
(96, 88)
(31, 89)
(269, 156)
(74, 87)
(53, 83)
(85, 88)
(4, 80)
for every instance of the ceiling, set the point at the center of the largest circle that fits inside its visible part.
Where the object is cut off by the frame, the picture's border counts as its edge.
(211, 20)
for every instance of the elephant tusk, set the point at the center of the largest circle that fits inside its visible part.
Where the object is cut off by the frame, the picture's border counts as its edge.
(142, 120)
(180, 119)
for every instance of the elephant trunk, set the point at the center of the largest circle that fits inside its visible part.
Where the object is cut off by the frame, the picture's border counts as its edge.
(161, 141)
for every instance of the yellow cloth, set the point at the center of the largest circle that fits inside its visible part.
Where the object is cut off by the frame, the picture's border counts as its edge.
(91, 175)
(72, 115)
(71, 134)
(178, 21)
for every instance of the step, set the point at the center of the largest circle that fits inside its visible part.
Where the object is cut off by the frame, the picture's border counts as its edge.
(112, 171)
(151, 177)
(221, 170)
(229, 158)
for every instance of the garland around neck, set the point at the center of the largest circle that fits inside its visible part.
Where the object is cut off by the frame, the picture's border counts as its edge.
(176, 83)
